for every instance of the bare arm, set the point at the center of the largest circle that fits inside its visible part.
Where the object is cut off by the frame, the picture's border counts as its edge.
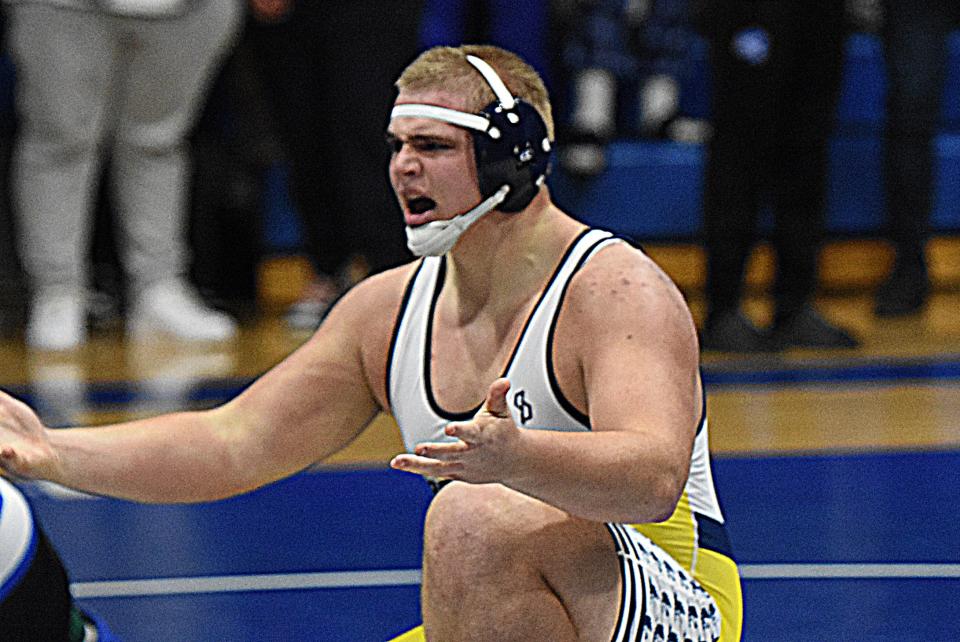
(304, 409)
(628, 336)
(641, 389)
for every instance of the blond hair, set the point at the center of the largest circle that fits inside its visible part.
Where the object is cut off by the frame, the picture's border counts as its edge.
(448, 68)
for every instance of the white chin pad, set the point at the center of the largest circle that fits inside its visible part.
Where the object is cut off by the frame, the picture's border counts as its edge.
(436, 238)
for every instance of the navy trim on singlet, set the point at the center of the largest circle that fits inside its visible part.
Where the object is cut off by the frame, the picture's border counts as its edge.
(428, 342)
(428, 350)
(407, 291)
(625, 612)
(712, 535)
(572, 410)
(624, 544)
(703, 408)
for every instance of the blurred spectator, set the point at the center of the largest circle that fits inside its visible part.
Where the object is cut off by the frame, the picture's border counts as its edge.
(914, 36)
(622, 63)
(330, 68)
(777, 67)
(236, 148)
(12, 295)
(117, 79)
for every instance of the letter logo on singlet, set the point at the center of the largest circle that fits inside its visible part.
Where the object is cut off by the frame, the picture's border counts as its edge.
(523, 406)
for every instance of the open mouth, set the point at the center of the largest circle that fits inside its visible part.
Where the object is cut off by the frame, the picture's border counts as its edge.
(420, 205)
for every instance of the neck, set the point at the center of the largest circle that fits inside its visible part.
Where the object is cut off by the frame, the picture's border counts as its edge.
(504, 259)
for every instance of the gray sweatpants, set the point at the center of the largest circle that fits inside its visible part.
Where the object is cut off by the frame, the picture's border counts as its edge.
(91, 85)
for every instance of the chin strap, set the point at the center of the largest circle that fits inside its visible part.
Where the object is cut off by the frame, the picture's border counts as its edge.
(436, 238)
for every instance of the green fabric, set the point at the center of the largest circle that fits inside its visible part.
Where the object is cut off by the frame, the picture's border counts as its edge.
(77, 620)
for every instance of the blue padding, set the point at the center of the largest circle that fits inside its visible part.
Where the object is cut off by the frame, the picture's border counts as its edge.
(655, 190)
(863, 89)
(951, 90)
(650, 190)
(520, 27)
(855, 197)
(442, 23)
(863, 86)
(855, 194)
(696, 82)
(946, 204)
(282, 230)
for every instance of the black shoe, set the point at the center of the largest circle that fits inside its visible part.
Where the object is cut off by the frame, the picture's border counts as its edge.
(807, 329)
(904, 292)
(733, 332)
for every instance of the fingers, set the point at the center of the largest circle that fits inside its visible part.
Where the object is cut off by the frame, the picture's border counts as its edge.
(496, 402)
(425, 466)
(432, 459)
(441, 450)
(466, 431)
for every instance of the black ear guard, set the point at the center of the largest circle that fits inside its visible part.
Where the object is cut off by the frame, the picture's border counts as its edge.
(514, 150)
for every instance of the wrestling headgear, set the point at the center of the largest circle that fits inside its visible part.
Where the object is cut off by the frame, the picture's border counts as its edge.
(512, 151)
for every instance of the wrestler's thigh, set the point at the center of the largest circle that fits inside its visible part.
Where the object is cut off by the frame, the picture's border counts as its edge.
(575, 558)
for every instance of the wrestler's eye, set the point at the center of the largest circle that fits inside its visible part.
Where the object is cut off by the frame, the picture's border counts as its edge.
(394, 144)
(432, 146)
(421, 204)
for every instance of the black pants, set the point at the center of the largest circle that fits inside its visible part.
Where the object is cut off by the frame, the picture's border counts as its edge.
(777, 67)
(915, 51)
(331, 68)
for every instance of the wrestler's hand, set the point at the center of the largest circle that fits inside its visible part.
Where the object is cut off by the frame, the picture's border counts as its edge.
(25, 449)
(485, 449)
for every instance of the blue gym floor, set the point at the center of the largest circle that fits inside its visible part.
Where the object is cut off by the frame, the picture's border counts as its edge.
(832, 546)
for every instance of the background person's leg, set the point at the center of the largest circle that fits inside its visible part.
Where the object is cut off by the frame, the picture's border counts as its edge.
(65, 64)
(171, 64)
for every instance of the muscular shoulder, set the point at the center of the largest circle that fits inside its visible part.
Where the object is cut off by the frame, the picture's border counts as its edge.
(367, 314)
(370, 299)
(621, 290)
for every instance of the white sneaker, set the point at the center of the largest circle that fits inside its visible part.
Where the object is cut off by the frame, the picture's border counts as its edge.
(57, 321)
(314, 304)
(173, 308)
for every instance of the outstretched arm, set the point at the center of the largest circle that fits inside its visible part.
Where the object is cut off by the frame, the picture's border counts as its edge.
(304, 409)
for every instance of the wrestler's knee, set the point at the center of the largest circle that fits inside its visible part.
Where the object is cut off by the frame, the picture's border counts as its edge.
(469, 523)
